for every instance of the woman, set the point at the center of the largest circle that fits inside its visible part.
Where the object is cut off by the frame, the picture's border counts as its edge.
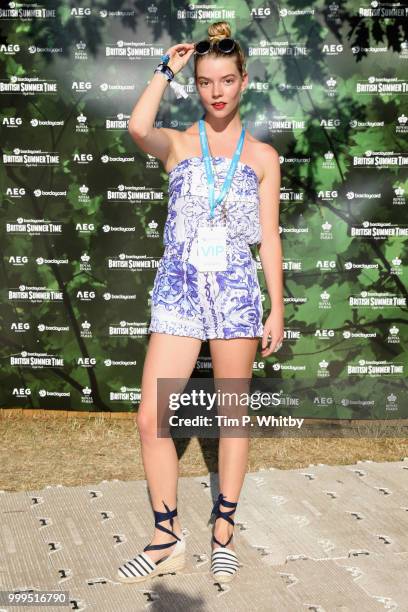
(195, 299)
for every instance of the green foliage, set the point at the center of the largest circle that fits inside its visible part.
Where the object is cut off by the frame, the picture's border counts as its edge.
(300, 360)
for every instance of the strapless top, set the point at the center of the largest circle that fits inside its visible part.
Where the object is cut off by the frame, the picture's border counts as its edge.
(189, 207)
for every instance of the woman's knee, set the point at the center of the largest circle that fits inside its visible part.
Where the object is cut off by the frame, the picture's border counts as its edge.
(146, 422)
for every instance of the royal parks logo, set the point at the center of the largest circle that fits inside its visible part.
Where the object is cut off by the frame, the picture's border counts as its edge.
(80, 52)
(151, 229)
(329, 87)
(326, 231)
(86, 329)
(393, 336)
(324, 301)
(81, 126)
(328, 161)
(401, 126)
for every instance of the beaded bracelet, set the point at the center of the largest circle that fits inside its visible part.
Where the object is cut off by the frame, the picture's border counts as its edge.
(168, 74)
(165, 70)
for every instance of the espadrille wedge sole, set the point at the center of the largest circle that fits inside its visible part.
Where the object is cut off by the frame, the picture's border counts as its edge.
(224, 561)
(143, 567)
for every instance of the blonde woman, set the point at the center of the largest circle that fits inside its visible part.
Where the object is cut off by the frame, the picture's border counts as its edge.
(224, 188)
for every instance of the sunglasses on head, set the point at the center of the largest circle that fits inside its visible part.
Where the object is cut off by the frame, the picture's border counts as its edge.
(225, 45)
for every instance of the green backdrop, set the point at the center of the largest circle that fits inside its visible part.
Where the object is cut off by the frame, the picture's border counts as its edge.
(83, 208)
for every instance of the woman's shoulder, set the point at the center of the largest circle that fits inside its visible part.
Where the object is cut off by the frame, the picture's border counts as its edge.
(262, 153)
(262, 148)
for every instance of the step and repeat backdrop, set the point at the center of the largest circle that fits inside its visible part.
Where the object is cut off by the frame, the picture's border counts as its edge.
(83, 209)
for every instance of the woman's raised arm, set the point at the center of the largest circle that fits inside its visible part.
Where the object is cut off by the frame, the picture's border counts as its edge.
(152, 140)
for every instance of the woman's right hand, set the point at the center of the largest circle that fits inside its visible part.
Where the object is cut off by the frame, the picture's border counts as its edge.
(179, 56)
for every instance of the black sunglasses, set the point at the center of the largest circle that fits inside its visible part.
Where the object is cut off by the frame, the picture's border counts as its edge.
(225, 45)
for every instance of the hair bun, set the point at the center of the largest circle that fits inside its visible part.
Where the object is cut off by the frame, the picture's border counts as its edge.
(219, 29)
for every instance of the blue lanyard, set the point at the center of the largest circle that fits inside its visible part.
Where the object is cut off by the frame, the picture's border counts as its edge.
(209, 171)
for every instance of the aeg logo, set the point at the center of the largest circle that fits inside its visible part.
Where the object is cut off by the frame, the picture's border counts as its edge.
(12, 121)
(80, 12)
(81, 85)
(15, 192)
(261, 11)
(19, 326)
(21, 392)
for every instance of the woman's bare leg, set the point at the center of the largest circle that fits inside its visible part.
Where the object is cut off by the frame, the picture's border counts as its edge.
(232, 359)
(167, 356)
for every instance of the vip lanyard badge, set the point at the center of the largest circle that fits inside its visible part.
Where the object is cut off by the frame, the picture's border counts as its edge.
(212, 241)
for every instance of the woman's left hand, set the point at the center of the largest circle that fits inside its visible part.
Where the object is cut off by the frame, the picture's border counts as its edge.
(274, 326)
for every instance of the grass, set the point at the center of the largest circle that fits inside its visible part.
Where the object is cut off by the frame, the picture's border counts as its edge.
(36, 452)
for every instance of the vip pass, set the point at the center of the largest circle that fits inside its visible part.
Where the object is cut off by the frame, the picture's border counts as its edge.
(168, 74)
(212, 249)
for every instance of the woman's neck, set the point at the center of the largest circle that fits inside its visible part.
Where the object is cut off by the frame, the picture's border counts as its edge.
(217, 126)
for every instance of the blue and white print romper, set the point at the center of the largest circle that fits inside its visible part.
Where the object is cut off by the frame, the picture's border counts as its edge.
(214, 304)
